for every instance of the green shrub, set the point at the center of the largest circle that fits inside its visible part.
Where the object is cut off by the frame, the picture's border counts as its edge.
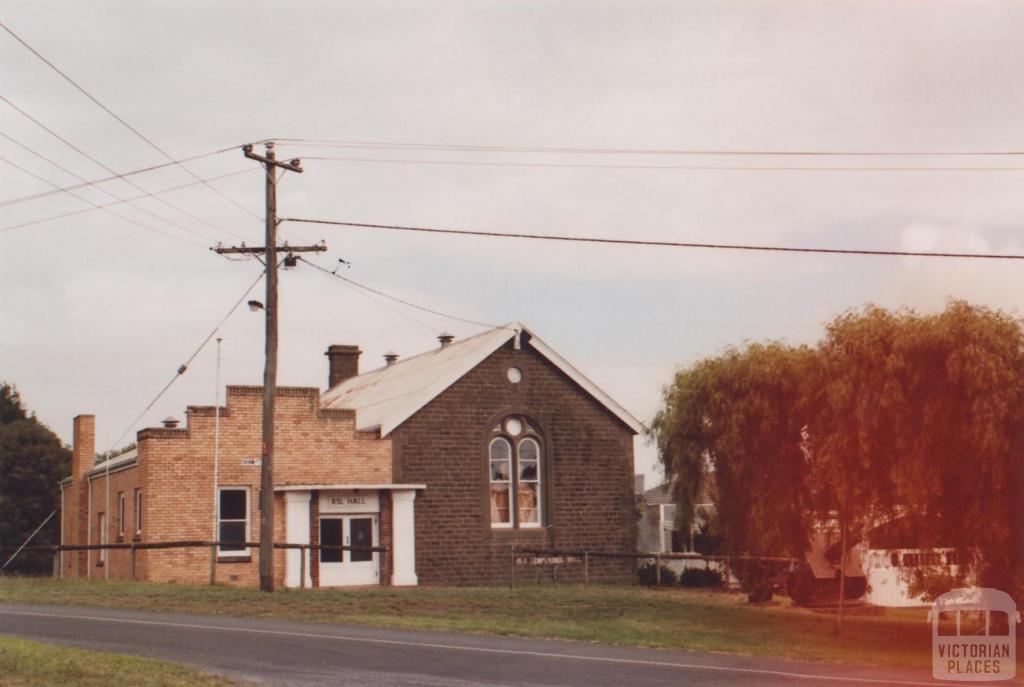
(649, 575)
(700, 577)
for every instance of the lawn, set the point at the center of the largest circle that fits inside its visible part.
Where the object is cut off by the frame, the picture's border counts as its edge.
(626, 615)
(30, 664)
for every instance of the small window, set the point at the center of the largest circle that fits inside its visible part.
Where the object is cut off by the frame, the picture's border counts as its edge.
(998, 624)
(101, 523)
(501, 482)
(529, 483)
(233, 521)
(138, 511)
(120, 514)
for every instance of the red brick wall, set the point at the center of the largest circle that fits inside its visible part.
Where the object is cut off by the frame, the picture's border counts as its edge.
(175, 472)
(588, 457)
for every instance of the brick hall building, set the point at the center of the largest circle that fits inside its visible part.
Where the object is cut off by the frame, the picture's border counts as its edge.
(447, 458)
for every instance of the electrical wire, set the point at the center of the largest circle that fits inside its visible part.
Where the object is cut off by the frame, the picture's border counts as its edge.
(95, 206)
(727, 168)
(120, 120)
(122, 175)
(718, 152)
(92, 159)
(116, 202)
(397, 299)
(663, 244)
(99, 188)
(184, 366)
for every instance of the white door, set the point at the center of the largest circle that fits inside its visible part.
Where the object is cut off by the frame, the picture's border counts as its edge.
(339, 568)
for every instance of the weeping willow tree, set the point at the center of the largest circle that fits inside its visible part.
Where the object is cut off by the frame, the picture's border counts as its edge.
(731, 422)
(891, 414)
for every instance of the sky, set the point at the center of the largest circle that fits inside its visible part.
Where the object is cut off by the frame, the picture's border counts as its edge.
(98, 310)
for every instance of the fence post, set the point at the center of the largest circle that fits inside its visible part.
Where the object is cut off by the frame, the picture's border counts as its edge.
(302, 566)
(512, 566)
(213, 564)
(554, 573)
(657, 569)
(131, 562)
(586, 567)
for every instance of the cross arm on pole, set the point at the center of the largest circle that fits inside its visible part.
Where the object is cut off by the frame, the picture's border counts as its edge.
(291, 165)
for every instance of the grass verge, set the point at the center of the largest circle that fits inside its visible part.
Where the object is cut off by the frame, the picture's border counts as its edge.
(31, 664)
(633, 616)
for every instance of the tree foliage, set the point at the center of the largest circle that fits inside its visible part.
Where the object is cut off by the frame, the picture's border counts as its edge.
(734, 417)
(893, 416)
(32, 461)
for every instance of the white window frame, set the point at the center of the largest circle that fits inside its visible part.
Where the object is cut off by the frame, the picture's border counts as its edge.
(510, 483)
(243, 552)
(104, 537)
(526, 433)
(138, 512)
(120, 514)
(539, 482)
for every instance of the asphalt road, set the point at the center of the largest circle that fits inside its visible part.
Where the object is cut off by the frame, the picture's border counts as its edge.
(278, 652)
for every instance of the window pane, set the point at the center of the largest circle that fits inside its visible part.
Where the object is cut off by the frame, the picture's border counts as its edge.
(330, 535)
(232, 504)
(500, 500)
(528, 470)
(501, 450)
(529, 512)
(138, 510)
(972, 623)
(361, 534)
(500, 470)
(998, 623)
(947, 624)
(232, 536)
(528, 450)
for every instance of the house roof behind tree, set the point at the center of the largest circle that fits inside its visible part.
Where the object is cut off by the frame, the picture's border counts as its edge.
(386, 397)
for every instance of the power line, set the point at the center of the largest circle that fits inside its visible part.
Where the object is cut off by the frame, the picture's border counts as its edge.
(99, 188)
(96, 207)
(184, 366)
(128, 126)
(718, 152)
(122, 175)
(396, 299)
(107, 205)
(662, 244)
(730, 168)
(106, 168)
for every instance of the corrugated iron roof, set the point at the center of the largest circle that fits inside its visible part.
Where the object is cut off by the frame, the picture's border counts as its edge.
(386, 397)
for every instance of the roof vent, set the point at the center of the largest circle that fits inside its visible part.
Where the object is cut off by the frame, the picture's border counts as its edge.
(390, 358)
(170, 422)
(445, 338)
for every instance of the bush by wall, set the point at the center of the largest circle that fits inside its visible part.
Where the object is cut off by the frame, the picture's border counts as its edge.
(648, 574)
(700, 577)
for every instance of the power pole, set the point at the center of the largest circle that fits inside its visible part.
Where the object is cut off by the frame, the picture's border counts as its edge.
(271, 164)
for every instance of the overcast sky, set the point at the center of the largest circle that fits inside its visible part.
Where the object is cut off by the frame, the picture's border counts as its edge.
(96, 312)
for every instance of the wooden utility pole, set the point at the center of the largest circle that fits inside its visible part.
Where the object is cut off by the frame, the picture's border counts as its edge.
(270, 249)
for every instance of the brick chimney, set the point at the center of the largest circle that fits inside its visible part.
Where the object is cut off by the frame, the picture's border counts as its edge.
(83, 445)
(343, 363)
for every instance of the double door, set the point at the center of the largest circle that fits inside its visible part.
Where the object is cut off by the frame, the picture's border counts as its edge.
(349, 567)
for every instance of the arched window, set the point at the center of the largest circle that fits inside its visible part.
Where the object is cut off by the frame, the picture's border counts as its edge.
(516, 482)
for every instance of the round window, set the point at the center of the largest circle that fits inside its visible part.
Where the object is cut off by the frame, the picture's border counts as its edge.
(514, 374)
(513, 426)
